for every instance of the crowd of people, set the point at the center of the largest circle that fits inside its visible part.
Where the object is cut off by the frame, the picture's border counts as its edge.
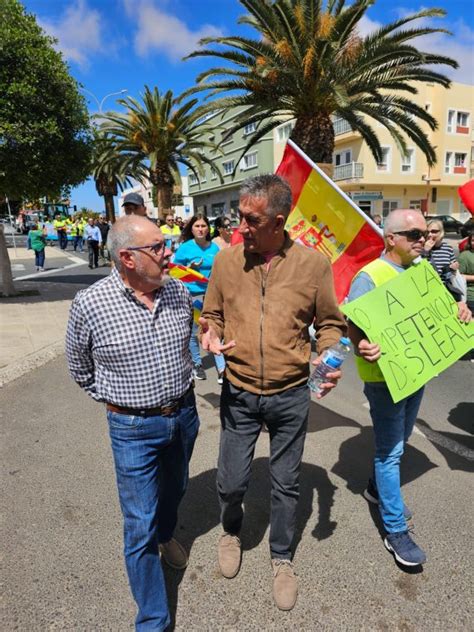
(131, 345)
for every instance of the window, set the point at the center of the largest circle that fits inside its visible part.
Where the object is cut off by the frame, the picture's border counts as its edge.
(228, 167)
(385, 163)
(415, 204)
(213, 174)
(458, 122)
(460, 163)
(388, 206)
(284, 131)
(447, 161)
(250, 128)
(343, 157)
(408, 161)
(192, 179)
(149, 195)
(365, 206)
(249, 161)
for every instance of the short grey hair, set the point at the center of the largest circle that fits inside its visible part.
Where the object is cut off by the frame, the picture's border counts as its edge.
(275, 188)
(396, 220)
(122, 235)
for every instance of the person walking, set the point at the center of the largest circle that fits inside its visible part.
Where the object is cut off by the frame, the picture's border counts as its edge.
(127, 346)
(439, 253)
(60, 227)
(405, 234)
(198, 252)
(222, 232)
(37, 243)
(104, 228)
(93, 239)
(262, 297)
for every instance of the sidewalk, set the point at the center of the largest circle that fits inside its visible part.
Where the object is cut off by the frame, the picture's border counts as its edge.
(33, 324)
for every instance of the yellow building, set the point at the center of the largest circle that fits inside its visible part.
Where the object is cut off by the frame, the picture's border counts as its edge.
(407, 181)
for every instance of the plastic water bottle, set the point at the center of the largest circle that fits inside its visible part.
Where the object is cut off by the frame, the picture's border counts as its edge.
(331, 361)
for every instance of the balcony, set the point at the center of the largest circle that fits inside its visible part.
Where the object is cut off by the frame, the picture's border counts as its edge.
(351, 171)
(341, 126)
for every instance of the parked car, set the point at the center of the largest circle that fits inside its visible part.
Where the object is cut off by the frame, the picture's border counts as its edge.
(468, 227)
(450, 224)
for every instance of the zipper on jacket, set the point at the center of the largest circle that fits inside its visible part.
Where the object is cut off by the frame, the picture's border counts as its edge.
(262, 313)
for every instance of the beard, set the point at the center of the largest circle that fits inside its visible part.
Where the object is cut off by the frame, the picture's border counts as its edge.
(152, 279)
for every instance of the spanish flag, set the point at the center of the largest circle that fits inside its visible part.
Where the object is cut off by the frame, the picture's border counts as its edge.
(186, 275)
(326, 219)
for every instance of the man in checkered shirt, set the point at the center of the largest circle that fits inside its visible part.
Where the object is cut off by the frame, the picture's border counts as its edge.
(127, 346)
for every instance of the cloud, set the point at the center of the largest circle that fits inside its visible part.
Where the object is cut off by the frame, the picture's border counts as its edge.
(78, 32)
(163, 32)
(458, 46)
(366, 26)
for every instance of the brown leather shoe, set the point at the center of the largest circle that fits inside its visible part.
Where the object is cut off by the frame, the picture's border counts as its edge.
(285, 584)
(174, 554)
(229, 555)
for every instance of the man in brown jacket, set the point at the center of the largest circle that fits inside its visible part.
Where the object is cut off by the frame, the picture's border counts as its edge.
(262, 297)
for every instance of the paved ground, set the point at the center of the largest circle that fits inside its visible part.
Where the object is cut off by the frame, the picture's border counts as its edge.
(63, 567)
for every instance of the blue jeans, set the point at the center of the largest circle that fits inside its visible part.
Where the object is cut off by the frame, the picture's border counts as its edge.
(78, 243)
(393, 425)
(39, 258)
(151, 456)
(196, 353)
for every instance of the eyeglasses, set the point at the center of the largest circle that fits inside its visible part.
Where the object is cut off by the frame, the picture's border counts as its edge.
(156, 248)
(227, 226)
(412, 235)
(435, 232)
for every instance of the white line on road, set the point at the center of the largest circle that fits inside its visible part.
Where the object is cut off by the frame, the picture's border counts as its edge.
(445, 442)
(77, 262)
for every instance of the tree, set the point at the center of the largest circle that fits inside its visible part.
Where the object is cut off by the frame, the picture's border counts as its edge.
(111, 170)
(44, 123)
(310, 63)
(158, 136)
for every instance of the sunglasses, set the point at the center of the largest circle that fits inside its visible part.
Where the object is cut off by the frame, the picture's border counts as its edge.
(435, 232)
(156, 248)
(227, 226)
(413, 235)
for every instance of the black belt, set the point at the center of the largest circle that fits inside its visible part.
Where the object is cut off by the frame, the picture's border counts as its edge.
(158, 411)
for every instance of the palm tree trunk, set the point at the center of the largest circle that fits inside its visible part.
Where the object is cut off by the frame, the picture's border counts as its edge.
(314, 134)
(8, 289)
(165, 192)
(109, 207)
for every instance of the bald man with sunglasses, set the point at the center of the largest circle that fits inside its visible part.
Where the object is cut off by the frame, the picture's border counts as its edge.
(127, 346)
(405, 234)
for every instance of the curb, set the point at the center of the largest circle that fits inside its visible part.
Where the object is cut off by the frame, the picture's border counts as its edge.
(31, 362)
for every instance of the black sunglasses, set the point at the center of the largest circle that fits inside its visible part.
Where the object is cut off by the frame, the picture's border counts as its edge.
(156, 248)
(412, 235)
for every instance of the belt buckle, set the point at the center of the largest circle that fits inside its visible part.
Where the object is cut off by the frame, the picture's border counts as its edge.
(166, 411)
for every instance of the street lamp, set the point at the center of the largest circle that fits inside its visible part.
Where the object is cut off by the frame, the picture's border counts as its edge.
(101, 103)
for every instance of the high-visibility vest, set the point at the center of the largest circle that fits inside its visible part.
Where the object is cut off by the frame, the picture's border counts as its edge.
(380, 272)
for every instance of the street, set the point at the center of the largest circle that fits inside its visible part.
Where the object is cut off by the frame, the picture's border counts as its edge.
(63, 566)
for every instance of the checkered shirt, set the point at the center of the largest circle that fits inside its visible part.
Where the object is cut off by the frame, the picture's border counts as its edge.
(122, 353)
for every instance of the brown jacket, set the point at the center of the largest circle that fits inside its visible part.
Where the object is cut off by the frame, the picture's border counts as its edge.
(268, 314)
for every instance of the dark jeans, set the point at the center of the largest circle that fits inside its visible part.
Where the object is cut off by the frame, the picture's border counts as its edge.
(39, 258)
(78, 243)
(62, 239)
(151, 456)
(286, 417)
(93, 248)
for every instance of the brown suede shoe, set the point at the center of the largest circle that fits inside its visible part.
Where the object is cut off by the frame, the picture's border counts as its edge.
(174, 554)
(285, 584)
(229, 555)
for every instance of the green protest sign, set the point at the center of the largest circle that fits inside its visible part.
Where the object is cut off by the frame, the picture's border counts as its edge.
(414, 320)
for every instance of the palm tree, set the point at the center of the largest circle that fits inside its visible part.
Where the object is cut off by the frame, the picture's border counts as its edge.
(111, 170)
(159, 135)
(310, 63)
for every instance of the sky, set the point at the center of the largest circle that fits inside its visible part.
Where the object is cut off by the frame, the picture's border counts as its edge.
(114, 45)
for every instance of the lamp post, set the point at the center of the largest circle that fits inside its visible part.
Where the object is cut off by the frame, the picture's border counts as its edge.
(101, 103)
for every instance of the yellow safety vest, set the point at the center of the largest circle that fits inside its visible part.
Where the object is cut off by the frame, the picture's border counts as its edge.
(380, 272)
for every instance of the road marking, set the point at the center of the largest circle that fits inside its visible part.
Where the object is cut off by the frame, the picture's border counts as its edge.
(17, 267)
(77, 262)
(444, 442)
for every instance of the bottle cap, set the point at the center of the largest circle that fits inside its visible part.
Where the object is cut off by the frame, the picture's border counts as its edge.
(345, 341)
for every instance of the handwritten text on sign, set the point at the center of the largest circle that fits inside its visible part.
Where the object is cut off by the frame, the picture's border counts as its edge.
(414, 320)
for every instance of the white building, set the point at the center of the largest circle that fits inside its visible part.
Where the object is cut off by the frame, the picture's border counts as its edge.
(184, 210)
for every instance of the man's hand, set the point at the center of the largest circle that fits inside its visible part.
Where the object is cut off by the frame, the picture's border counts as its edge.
(370, 351)
(332, 378)
(464, 313)
(210, 340)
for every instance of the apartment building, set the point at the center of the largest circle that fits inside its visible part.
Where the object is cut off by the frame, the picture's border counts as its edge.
(398, 181)
(406, 181)
(210, 195)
